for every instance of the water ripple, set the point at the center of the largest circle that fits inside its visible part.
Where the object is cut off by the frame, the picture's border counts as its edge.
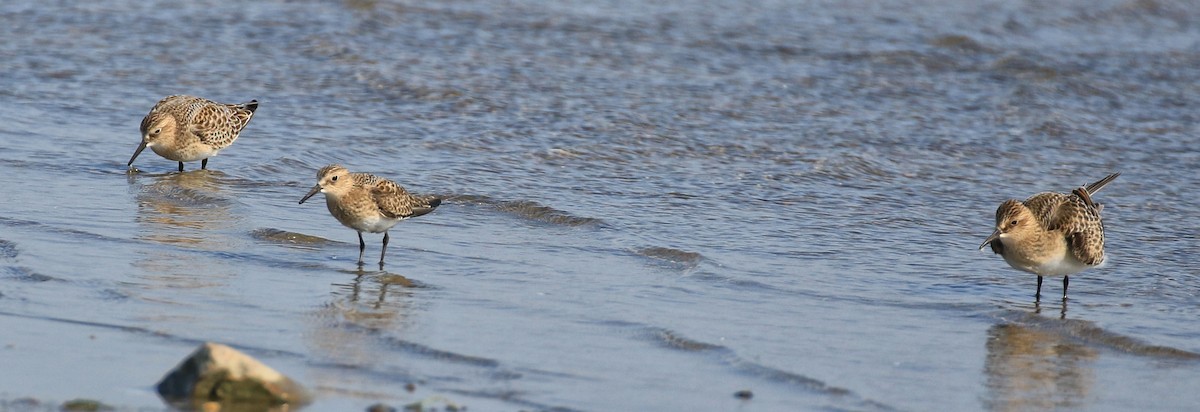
(1088, 332)
(675, 341)
(8, 250)
(674, 257)
(528, 210)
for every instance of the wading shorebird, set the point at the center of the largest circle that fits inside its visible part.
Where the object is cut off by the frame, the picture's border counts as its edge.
(1051, 234)
(188, 128)
(368, 203)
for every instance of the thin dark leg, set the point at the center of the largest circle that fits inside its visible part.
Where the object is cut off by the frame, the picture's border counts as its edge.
(180, 166)
(1038, 295)
(362, 246)
(203, 164)
(384, 251)
(1066, 280)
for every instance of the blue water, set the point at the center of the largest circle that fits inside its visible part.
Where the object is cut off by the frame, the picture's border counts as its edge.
(647, 205)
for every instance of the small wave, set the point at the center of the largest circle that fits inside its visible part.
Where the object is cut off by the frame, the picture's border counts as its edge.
(1016, 65)
(8, 250)
(110, 294)
(1142, 11)
(17, 222)
(958, 42)
(1053, 128)
(28, 275)
(896, 59)
(290, 238)
(847, 166)
(166, 193)
(412, 90)
(674, 340)
(140, 331)
(529, 210)
(1087, 332)
(72, 233)
(512, 397)
(681, 259)
(782, 50)
(419, 349)
(723, 280)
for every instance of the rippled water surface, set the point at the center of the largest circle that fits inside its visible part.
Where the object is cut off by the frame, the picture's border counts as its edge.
(647, 205)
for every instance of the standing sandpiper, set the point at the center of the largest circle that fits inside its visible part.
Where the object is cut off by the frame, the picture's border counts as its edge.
(368, 203)
(188, 128)
(1051, 234)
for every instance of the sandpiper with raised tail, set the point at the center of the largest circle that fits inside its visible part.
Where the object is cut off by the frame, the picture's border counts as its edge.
(1051, 234)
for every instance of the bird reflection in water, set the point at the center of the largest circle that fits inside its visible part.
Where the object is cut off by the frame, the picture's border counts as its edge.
(374, 302)
(184, 209)
(369, 302)
(1030, 369)
(1062, 309)
(183, 212)
(366, 310)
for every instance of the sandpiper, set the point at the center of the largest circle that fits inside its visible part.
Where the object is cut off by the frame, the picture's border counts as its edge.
(368, 203)
(188, 128)
(1051, 234)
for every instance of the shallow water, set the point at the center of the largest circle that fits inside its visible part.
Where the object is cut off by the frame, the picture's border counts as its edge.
(647, 204)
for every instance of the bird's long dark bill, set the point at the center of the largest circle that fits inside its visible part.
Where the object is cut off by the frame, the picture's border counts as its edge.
(137, 152)
(312, 192)
(995, 235)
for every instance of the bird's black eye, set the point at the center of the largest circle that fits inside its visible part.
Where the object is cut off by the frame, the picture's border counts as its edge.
(333, 179)
(157, 131)
(1013, 223)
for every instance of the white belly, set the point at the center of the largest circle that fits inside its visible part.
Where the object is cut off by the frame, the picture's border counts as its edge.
(1062, 266)
(374, 224)
(190, 154)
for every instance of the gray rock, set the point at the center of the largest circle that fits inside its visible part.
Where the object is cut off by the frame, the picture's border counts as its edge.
(219, 373)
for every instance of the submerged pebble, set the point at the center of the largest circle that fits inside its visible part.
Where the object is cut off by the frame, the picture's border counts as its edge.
(379, 407)
(85, 405)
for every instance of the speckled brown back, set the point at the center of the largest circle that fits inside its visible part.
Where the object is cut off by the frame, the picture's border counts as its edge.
(212, 123)
(393, 201)
(1076, 216)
